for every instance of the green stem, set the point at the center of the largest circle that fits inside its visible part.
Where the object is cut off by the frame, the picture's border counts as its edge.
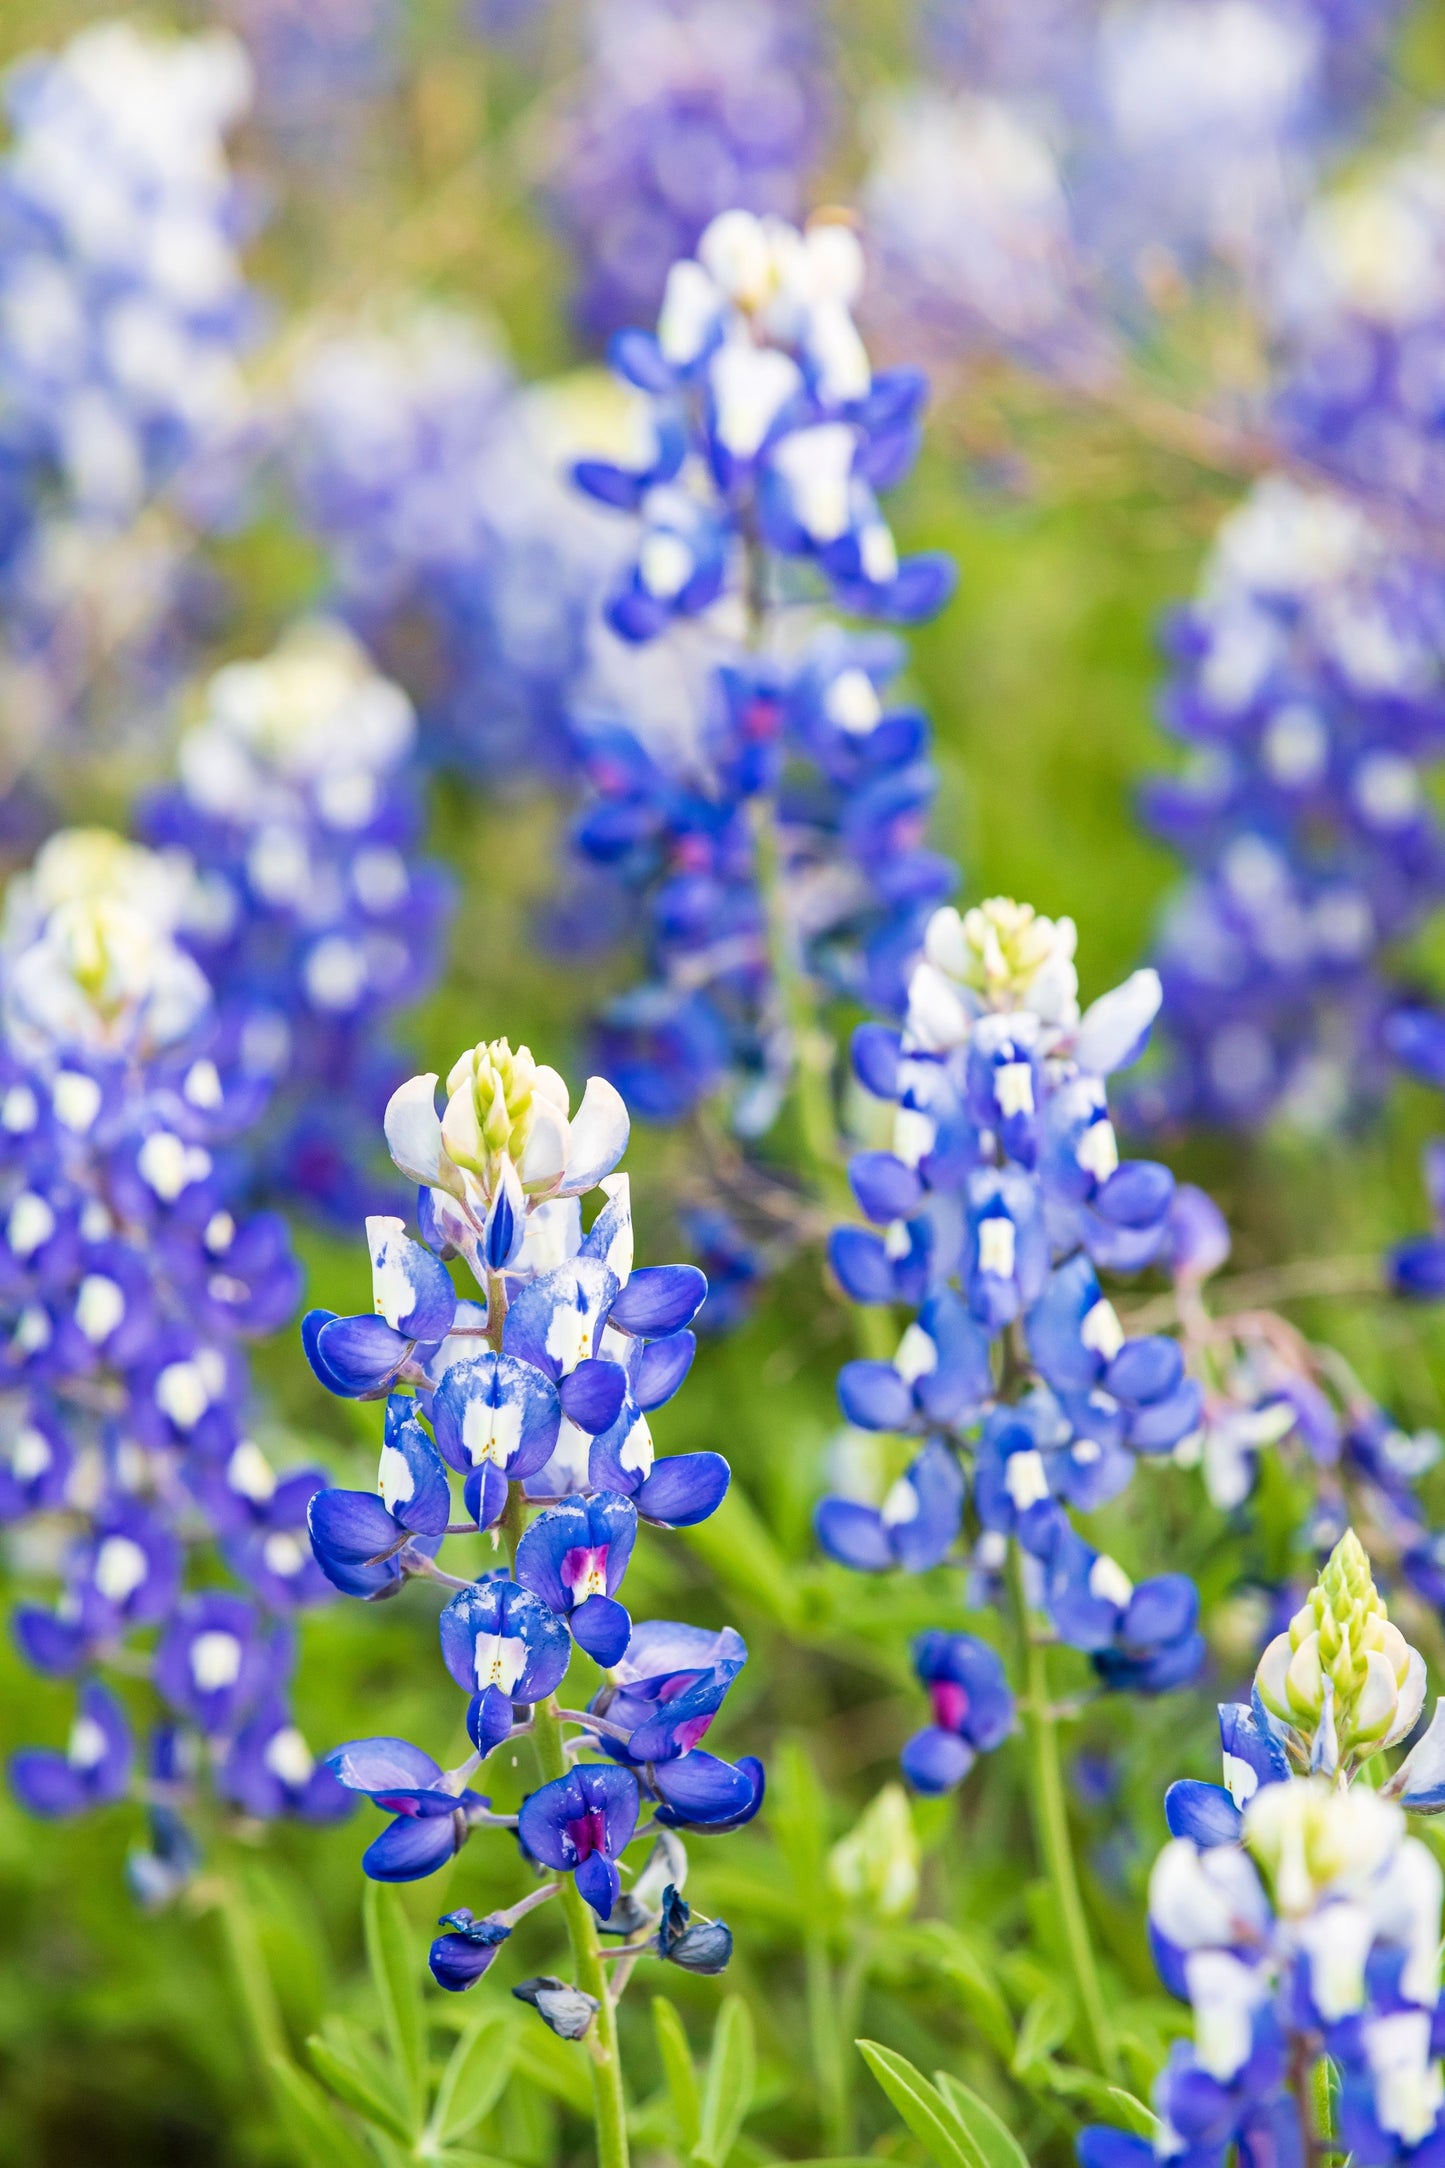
(609, 2108)
(1051, 1822)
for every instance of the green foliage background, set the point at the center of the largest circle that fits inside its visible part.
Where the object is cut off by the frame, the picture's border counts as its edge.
(122, 2038)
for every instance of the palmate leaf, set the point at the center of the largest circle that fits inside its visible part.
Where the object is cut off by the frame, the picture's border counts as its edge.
(391, 1954)
(731, 2080)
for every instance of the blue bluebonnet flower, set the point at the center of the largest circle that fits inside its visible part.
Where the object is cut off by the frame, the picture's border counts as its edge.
(1358, 317)
(455, 548)
(130, 1277)
(311, 912)
(815, 749)
(317, 68)
(535, 1390)
(997, 1196)
(973, 1710)
(1308, 686)
(123, 318)
(686, 108)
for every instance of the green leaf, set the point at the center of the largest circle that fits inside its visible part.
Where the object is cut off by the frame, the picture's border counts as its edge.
(676, 2058)
(738, 1547)
(798, 1816)
(986, 2131)
(731, 2077)
(356, 2087)
(471, 2086)
(957, 1958)
(321, 2140)
(922, 2108)
(1141, 2120)
(558, 2066)
(396, 1975)
(1044, 2026)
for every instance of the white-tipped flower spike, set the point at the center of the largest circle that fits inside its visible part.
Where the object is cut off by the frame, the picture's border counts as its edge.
(1342, 1679)
(89, 956)
(1001, 956)
(503, 1162)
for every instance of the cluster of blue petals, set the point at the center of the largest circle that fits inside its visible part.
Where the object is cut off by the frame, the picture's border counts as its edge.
(312, 913)
(530, 1399)
(131, 1277)
(991, 1214)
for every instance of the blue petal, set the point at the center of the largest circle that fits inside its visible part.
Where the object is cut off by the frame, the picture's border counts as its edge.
(853, 1534)
(1203, 1812)
(487, 1399)
(490, 1717)
(885, 1186)
(599, 1882)
(659, 1300)
(1100, 2145)
(660, 1368)
(861, 1265)
(592, 1396)
(700, 1789)
(874, 1396)
(484, 1494)
(362, 1353)
(410, 1848)
(382, 1765)
(1145, 1370)
(875, 1050)
(311, 1325)
(684, 1489)
(603, 1628)
(935, 1760)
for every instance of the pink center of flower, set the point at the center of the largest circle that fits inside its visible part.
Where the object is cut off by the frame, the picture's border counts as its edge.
(588, 1833)
(688, 1734)
(584, 1571)
(950, 1703)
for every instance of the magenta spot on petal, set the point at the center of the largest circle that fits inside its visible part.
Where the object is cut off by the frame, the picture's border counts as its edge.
(688, 1734)
(588, 1833)
(679, 1683)
(578, 1564)
(950, 1703)
(397, 1806)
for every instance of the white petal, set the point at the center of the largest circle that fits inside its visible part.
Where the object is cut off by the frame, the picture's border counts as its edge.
(1115, 1023)
(937, 1019)
(1422, 1772)
(414, 1130)
(599, 1136)
(1411, 1701)
(548, 1084)
(546, 1151)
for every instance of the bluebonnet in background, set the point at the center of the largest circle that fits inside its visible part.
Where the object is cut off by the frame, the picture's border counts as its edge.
(775, 833)
(124, 315)
(314, 916)
(1307, 687)
(537, 1395)
(684, 109)
(437, 485)
(131, 1282)
(319, 65)
(995, 1194)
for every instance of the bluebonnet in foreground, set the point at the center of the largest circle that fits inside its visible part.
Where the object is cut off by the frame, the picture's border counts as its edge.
(1307, 686)
(311, 911)
(123, 316)
(777, 839)
(1294, 1913)
(686, 108)
(128, 1285)
(456, 550)
(996, 1195)
(535, 1390)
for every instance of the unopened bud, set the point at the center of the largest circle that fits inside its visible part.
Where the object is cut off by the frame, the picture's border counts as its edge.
(1342, 1677)
(875, 1867)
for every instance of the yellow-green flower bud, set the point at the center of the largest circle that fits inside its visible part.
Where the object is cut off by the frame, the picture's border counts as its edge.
(1342, 1668)
(1011, 955)
(875, 1867)
(489, 1104)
